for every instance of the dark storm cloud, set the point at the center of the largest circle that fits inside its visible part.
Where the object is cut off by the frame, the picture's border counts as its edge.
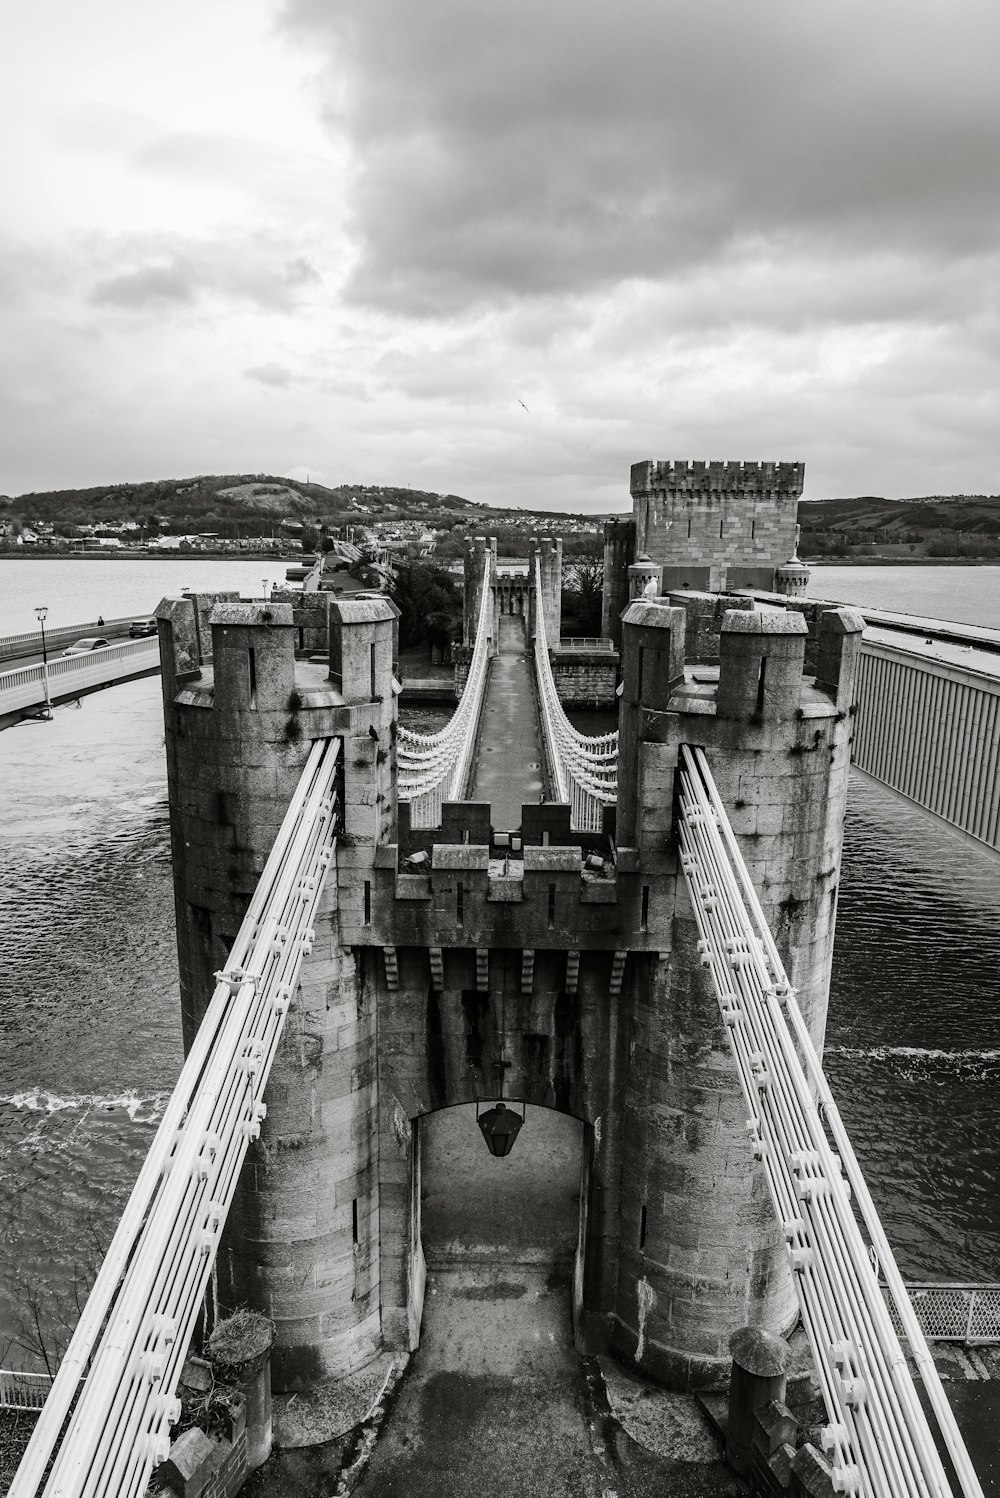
(537, 147)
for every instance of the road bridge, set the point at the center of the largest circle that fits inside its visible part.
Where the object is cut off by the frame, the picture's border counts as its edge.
(363, 943)
(25, 689)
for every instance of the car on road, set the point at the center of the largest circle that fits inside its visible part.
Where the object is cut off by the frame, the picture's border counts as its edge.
(140, 628)
(90, 642)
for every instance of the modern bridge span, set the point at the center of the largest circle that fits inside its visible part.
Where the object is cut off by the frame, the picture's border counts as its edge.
(648, 949)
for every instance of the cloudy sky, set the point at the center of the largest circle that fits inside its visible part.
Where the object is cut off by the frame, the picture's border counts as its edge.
(349, 238)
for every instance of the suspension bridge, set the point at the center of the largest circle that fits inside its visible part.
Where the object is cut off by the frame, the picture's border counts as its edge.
(661, 807)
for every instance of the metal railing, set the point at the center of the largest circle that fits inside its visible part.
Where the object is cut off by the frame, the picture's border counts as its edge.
(433, 767)
(586, 642)
(61, 635)
(25, 685)
(877, 1437)
(954, 1312)
(23, 1391)
(584, 766)
(115, 1388)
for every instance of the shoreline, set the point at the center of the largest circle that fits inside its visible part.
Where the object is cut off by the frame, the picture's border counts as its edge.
(902, 561)
(23, 555)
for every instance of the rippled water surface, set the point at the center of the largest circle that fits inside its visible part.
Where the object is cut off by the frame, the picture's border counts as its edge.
(89, 1011)
(90, 1033)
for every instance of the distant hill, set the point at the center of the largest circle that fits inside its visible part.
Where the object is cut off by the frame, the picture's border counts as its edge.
(963, 525)
(224, 502)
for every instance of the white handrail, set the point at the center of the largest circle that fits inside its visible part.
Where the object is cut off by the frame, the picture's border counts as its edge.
(877, 1436)
(432, 768)
(151, 1284)
(584, 767)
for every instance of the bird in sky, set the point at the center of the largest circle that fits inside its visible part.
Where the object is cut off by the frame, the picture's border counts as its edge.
(521, 403)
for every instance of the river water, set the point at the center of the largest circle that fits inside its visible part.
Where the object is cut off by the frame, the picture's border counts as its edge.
(89, 1027)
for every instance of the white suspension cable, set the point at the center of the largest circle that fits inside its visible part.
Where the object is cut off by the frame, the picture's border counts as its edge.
(152, 1282)
(584, 767)
(877, 1437)
(432, 768)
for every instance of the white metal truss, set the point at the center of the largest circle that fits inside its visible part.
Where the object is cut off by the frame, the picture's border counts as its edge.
(432, 768)
(115, 1391)
(878, 1438)
(584, 766)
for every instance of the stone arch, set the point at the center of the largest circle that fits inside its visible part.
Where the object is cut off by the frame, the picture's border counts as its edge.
(555, 1039)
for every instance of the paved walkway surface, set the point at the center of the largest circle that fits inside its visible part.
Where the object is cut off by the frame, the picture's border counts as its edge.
(508, 770)
(496, 1401)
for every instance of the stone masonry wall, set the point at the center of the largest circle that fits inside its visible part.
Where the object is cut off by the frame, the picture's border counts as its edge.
(717, 515)
(585, 680)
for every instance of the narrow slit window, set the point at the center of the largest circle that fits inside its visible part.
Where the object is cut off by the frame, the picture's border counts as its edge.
(371, 659)
(760, 683)
(721, 527)
(753, 528)
(460, 903)
(642, 1227)
(689, 527)
(354, 1219)
(302, 638)
(552, 906)
(252, 660)
(368, 902)
(644, 913)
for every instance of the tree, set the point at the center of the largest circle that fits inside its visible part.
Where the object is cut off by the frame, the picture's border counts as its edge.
(429, 603)
(583, 593)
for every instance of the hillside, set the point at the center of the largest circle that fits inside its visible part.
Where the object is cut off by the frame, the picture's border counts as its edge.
(966, 525)
(224, 503)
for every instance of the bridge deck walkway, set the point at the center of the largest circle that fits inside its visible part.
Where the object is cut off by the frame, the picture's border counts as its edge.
(508, 765)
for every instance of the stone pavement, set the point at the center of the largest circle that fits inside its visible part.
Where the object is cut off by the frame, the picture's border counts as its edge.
(497, 1402)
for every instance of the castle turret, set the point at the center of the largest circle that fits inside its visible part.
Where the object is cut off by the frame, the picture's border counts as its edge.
(792, 578)
(701, 1253)
(549, 555)
(301, 1242)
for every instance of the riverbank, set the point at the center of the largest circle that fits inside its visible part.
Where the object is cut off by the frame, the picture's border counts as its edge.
(875, 561)
(169, 554)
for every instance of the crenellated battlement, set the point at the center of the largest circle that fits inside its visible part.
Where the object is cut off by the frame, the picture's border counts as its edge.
(697, 476)
(713, 525)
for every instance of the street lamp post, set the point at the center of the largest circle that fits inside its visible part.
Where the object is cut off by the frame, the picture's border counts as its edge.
(41, 612)
(266, 586)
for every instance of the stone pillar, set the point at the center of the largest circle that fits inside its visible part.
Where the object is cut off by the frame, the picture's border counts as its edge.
(840, 634)
(761, 660)
(240, 1349)
(652, 665)
(549, 555)
(760, 1367)
(619, 550)
(479, 556)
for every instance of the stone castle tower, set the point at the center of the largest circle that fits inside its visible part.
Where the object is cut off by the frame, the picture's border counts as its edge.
(575, 978)
(707, 526)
